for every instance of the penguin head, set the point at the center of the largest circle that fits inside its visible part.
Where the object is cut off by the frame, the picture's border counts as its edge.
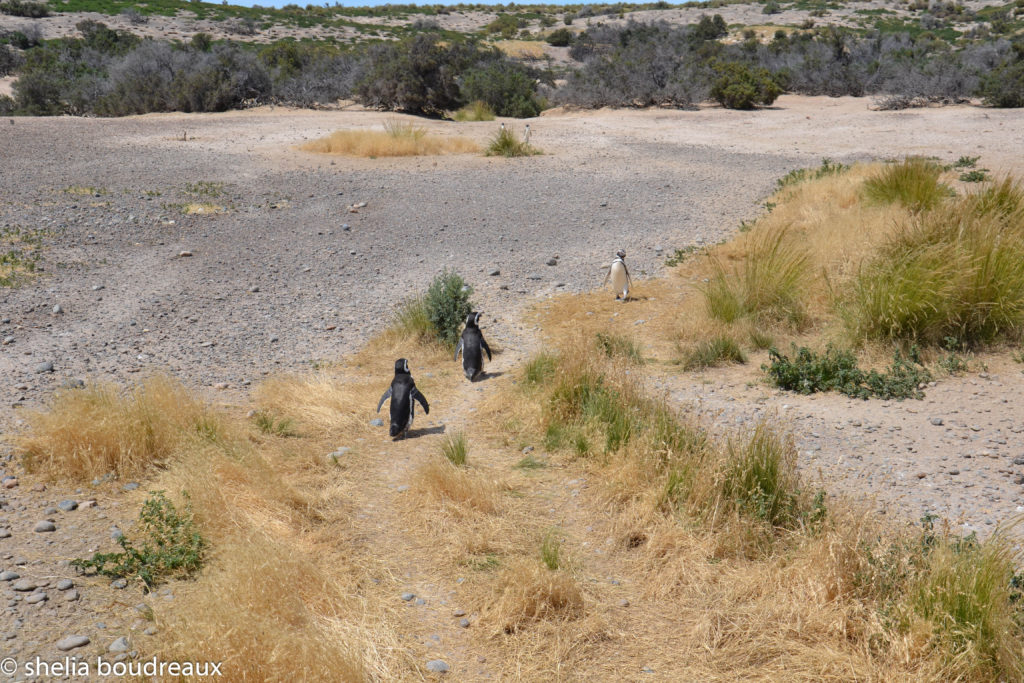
(473, 319)
(621, 253)
(401, 367)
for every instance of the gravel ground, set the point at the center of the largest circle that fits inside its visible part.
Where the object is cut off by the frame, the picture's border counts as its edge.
(276, 282)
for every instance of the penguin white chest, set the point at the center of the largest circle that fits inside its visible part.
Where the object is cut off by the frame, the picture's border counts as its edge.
(620, 281)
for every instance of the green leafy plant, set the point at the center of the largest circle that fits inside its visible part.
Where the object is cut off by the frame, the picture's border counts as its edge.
(681, 254)
(455, 449)
(836, 370)
(551, 549)
(713, 352)
(447, 305)
(268, 425)
(474, 111)
(171, 546)
(798, 175)
(739, 86)
(975, 176)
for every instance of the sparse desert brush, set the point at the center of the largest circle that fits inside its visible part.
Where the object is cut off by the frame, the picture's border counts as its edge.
(713, 352)
(456, 449)
(436, 316)
(505, 143)
(86, 433)
(315, 400)
(396, 140)
(619, 346)
(457, 486)
(474, 111)
(914, 183)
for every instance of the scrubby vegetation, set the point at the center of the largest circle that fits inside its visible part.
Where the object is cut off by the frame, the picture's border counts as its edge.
(836, 370)
(398, 139)
(437, 315)
(505, 143)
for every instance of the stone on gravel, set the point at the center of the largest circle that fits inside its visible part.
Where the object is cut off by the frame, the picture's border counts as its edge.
(5, 533)
(68, 505)
(119, 645)
(377, 422)
(44, 367)
(9, 576)
(438, 666)
(459, 613)
(119, 584)
(72, 595)
(44, 527)
(495, 272)
(464, 623)
(65, 584)
(71, 642)
(58, 309)
(937, 421)
(24, 585)
(533, 276)
(36, 597)
(552, 262)
(184, 254)
(408, 596)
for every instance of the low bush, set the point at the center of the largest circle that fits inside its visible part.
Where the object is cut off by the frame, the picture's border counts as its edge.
(455, 449)
(171, 546)
(505, 143)
(713, 352)
(24, 8)
(474, 111)
(1004, 85)
(560, 38)
(447, 304)
(617, 346)
(836, 370)
(505, 87)
(799, 175)
(738, 86)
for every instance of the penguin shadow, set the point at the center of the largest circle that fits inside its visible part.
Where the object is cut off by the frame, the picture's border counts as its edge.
(484, 376)
(423, 431)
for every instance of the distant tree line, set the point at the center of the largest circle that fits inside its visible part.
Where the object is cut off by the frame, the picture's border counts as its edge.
(109, 72)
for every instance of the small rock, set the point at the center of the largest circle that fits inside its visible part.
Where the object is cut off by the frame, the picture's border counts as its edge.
(24, 585)
(119, 645)
(533, 276)
(5, 533)
(97, 288)
(184, 254)
(44, 367)
(494, 272)
(68, 505)
(623, 603)
(58, 309)
(72, 595)
(1018, 461)
(10, 482)
(35, 598)
(151, 631)
(438, 666)
(459, 613)
(464, 623)
(65, 584)
(119, 584)
(420, 601)
(921, 475)
(71, 642)
(552, 262)
(528, 449)
(44, 527)
(9, 576)
(377, 422)
(116, 533)
(937, 421)
(408, 596)
(130, 486)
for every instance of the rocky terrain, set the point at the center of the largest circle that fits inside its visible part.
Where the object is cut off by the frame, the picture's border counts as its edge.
(210, 247)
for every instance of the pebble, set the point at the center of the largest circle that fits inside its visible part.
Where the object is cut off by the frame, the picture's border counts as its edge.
(438, 666)
(44, 527)
(119, 584)
(464, 623)
(35, 598)
(495, 272)
(119, 645)
(184, 254)
(71, 642)
(130, 486)
(65, 584)
(937, 421)
(9, 576)
(459, 613)
(552, 262)
(24, 585)
(72, 595)
(377, 422)
(58, 309)
(408, 596)
(528, 449)
(5, 533)
(10, 482)
(68, 505)
(44, 367)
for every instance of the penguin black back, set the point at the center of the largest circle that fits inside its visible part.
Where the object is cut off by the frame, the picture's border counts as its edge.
(472, 345)
(402, 393)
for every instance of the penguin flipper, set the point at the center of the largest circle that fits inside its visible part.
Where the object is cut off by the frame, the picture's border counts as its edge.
(422, 399)
(483, 343)
(458, 349)
(607, 275)
(386, 396)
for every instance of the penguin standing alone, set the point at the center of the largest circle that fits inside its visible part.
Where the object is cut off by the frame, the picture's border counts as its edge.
(619, 274)
(402, 392)
(470, 346)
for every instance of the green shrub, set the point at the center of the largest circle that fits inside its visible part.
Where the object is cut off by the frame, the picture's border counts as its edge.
(1004, 85)
(507, 88)
(23, 8)
(506, 144)
(975, 176)
(447, 305)
(171, 546)
(560, 37)
(456, 449)
(710, 28)
(714, 352)
(541, 368)
(836, 370)
(505, 24)
(771, 7)
(738, 86)
(914, 183)
(551, 549)
(268, 425)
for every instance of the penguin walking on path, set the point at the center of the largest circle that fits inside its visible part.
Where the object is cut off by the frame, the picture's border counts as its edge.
(619, 275)
(402, 393)
(470, 347)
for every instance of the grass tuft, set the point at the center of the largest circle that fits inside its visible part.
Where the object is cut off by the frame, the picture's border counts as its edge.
(913, 183)
(505, 143)
(474, 111)
(455, 449)
(551, 548)
(712, 353)
(398, 139)
(617, 346)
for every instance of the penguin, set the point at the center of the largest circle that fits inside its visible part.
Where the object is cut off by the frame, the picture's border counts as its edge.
(619, 274)
(526, 134)
(402, 392)
(470, 344)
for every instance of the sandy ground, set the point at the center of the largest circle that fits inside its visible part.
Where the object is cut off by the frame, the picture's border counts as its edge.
(275, 281)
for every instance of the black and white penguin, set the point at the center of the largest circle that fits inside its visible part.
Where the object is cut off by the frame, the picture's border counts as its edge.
(470, 346)
(402, 392)
(619, 275)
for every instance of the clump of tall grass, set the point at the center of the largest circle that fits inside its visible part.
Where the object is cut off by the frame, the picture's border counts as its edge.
(505, 143)
(455, 449)
(760, 477)
(713, 352)
(769, 285)
(474, 111)
(828, 168)
(957, 271)
(398, 139)
(618, 346)
(90, 432)
(551, 549)
(914, 183)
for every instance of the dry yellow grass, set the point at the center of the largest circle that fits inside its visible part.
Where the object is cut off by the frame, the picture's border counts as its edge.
(521, 49)
(397, 140)
(528, 593)
(202, 209)
(86, 433)
(458, 487)
(322, 402)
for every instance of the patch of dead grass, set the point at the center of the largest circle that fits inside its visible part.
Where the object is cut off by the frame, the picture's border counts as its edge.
(397, 140)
